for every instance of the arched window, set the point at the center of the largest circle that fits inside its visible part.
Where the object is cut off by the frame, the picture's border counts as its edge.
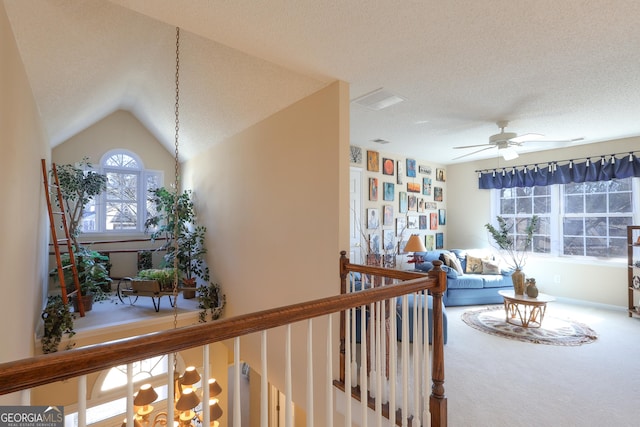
(125, 205)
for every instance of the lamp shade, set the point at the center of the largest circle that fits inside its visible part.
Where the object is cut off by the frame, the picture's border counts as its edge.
(214, 388)
(190, 376)
(415, 244)
(215, 411)
(146, 395)
(188, 400)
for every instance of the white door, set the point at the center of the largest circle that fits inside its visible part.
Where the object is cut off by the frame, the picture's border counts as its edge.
(355, 215)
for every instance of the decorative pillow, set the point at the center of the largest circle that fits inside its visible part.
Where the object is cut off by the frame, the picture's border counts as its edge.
(451, 273)
(490, 267)
(474, 265)
(424, 266)
(452, 261)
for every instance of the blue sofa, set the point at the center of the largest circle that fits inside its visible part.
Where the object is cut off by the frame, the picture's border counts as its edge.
(473, 286)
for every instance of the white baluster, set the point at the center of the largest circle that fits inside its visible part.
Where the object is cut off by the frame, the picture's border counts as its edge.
(329, 384)
(310, 413)
(405, 358)
(206, 415)
(287, 380)
(348, 367)
(379, 368)
(82, 400)
(417, 339)
(171, 391)
(363, 364)
(393, 355)
(426, 371)
(237, 414)
(130, 414)
(373, 327)
(354, 363)
(264, 384)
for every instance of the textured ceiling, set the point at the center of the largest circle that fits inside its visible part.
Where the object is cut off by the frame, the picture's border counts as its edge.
(564, 69)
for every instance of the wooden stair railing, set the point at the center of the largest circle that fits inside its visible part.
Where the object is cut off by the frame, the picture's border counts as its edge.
(36, 371)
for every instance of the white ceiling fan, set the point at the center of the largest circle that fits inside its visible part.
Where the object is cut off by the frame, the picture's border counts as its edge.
(506, 141)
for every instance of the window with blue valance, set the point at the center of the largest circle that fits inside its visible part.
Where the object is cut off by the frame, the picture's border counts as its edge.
(570, 171)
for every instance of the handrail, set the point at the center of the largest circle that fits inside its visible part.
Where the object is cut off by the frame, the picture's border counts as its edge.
(39, 370)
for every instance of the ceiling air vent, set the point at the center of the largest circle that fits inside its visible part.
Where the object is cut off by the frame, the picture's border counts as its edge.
(378, 99)
(380, 141)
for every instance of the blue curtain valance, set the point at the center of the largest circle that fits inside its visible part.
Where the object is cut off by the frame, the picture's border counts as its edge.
(553, 173)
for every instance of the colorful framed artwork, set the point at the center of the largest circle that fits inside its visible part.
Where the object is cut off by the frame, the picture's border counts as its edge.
(404, 202)
(387, 215)
(399, 173)
(373, 161)
(437, 194)
(429, 206)
(373, 218)
(433, 223)
(420, 204)
(413, 187)
(424, 169)
(388, 166)
(374, 243)
(439, 240)
(388, 240)
(429, 242)
(412, 221)
(411, 168)
(388, 191)
(440, 175)
(373, 189)
(401, 225)
(426, 186)
(413, 203)
(423, 222)
(442, 217)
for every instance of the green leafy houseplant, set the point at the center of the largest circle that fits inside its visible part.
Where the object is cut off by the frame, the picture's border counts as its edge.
(93, 273)
(514, 248)
(190, 249)
(58, 321)
(210, 301)
(164, 276)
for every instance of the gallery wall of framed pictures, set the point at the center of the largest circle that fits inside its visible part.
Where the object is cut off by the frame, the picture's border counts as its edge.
(403, 196)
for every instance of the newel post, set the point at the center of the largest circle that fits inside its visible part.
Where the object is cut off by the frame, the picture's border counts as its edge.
(437, 400)
(343, 290)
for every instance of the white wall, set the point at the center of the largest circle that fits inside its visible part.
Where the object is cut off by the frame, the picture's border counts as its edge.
(597, 281)
(22, 218)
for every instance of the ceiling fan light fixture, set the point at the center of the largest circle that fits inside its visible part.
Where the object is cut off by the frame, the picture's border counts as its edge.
(508, 153)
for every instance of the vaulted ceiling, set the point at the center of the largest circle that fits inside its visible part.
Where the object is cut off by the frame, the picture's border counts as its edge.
(564, 69)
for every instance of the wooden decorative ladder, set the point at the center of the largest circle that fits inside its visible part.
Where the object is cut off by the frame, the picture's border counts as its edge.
(55, 186)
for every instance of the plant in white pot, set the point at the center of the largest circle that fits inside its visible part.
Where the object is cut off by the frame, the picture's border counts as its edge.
(514, 247)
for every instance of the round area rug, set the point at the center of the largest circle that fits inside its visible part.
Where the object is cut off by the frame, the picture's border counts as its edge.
(554, 331)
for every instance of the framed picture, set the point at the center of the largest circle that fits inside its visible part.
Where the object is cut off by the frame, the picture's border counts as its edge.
(374, 243)
(437, 194)
(413, 187)
(399, 173)
(413, 203)
(420, 204)
(429, 242)
(433, 223)
(429, 206)
(373, 189)
(388, 240)
(373, 162)
(424, 169)
(401, 225)
(404, 203)
(388, 191)
(442, 217)
(440, 174)
(412, 221)
(426, 186)
(355, 154)
(388, 166)
(411, 168)
(423, 222)
(387, 215)
(439, 240)
(373, 218)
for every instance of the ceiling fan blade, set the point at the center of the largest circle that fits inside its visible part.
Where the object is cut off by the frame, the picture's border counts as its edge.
(527, 137)
(556, 140)
(477, 145)
(474, 152)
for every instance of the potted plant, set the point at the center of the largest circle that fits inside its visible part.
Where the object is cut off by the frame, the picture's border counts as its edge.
(93, 276)
(210, 301)
(58, 321)
(514, 249)
(176, 222)
(164, 276)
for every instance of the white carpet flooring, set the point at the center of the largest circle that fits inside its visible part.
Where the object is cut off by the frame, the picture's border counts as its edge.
(495, 382)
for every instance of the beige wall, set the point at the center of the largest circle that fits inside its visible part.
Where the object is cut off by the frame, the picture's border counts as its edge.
(274, 199)
(596, 281)
(22, 225)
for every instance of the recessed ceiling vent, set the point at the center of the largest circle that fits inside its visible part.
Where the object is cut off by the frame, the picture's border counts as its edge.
(378, 99)
(380, 141)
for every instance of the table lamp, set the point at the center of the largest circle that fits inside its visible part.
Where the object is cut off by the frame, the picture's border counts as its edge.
(414, 245)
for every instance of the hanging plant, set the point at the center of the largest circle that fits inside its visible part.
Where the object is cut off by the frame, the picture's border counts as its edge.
(58, 321)
(211, 302)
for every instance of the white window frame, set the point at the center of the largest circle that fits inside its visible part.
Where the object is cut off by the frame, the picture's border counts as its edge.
(141, 192)
(557, 216)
